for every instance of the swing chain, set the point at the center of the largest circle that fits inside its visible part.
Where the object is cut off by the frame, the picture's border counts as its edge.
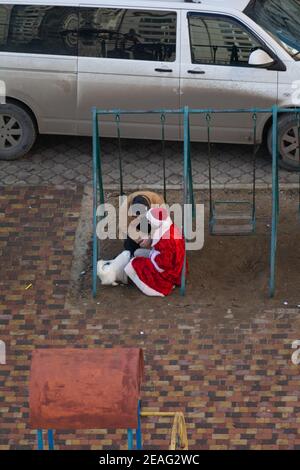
(163, 120)
(254, 118)
(118, 120)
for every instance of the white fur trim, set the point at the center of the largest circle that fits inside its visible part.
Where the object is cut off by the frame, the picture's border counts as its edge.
(153, 220)
(154, 254)
(160, 232)
(132, 274)
(160, 226)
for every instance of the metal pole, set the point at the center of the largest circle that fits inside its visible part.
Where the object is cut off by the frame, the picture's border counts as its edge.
(255, 148)
(118, 119)
(275, 202)
(208, 121)
(191, 185)
(130, 439)
(163, 151)
(95, 201)
(40, 442)
(50, 439)
(139, 443)
(98, 159)
(298, 125)
(185, 189)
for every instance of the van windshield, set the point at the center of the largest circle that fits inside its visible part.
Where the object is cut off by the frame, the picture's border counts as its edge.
(281, 18)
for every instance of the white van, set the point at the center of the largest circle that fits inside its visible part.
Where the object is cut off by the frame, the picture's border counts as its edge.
(59, 59)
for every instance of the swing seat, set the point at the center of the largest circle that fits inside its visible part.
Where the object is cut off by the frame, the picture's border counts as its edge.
(232, 218)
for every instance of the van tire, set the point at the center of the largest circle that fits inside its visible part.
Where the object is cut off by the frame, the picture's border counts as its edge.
(17, 131)
(287, 133)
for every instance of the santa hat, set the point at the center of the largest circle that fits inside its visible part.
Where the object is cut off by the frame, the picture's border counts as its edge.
(157, 216)
(160, 221)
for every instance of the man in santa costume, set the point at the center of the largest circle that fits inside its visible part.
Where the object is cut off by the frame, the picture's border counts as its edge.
(157, 274)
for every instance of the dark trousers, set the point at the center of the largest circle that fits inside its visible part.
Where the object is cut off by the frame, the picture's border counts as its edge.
(131, 245)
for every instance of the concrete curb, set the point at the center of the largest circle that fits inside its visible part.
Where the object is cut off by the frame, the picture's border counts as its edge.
(198, 187)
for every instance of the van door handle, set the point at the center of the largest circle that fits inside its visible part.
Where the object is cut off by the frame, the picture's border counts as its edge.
(195, 71)
(163, 70)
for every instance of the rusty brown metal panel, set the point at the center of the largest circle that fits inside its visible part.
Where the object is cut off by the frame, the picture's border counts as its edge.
(85, 388)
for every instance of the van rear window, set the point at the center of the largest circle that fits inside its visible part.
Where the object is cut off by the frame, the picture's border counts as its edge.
(88, 32)
(39, 29)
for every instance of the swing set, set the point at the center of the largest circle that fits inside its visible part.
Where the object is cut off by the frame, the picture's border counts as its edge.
(98, 188)
(226, 218)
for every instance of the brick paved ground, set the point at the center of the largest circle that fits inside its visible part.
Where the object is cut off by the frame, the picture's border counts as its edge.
(67, 160)
(37, 227)
(230, 372)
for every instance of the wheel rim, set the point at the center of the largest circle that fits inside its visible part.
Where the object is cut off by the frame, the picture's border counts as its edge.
(10, 132)
(290, 147)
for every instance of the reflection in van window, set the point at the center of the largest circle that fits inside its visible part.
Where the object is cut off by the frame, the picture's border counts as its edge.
(220, 41)
(281, 18)
(38, 29)
(127, 34)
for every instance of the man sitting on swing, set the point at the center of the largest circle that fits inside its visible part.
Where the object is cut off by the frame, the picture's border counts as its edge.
(158, 270)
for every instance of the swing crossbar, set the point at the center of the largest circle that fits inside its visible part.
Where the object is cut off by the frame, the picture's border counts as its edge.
(103, 112)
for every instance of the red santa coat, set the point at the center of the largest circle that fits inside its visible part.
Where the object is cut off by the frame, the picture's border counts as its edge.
(157, 275)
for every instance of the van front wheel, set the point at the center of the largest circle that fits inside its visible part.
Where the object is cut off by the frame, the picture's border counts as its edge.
(288, 141)
(17, 131)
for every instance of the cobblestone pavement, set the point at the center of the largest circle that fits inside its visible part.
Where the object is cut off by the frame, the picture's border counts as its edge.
(232, 376)
(67, 160)
(37, 227)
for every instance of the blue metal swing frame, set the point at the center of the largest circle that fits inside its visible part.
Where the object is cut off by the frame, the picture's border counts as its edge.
(98, 188)
(188, 193)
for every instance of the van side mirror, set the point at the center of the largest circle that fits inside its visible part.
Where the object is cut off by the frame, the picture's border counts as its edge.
(260, 58)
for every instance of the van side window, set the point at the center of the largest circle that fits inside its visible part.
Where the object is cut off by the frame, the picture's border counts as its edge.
(127, 34)
(219, 40)
(39, 29)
